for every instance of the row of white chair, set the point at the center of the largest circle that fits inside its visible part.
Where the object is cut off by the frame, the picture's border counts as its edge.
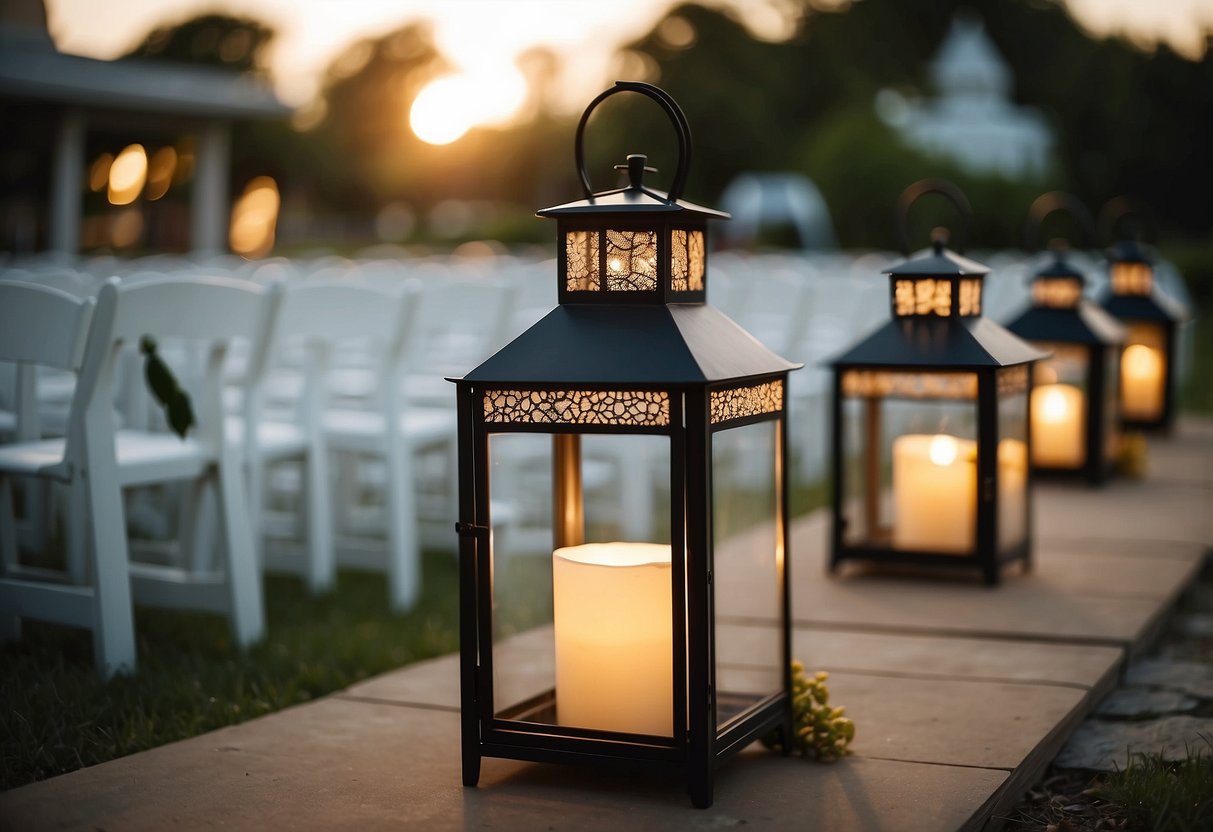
(97, 459)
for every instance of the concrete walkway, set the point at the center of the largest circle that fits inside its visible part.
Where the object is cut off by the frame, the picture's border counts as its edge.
(961, 696)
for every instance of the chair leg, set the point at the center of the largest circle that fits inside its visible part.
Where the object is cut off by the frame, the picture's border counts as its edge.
(10, 625)
(404, 572)
(243, 577)
(256, 502)
(75, 538)
(114, 624)
(322, 565)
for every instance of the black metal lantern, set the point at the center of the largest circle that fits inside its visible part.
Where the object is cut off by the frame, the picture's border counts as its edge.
(1150, 318)
(1074, 408)
(930, 423)
(670, 653)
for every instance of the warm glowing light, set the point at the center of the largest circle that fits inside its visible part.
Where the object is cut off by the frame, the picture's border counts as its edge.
(943, 450)
(1054, 406)
(1142, 382)
(126, 228)
(614, 638)
(99, 172)
(615, 264)
(1058, 436)
(254, 218)
(160, 172)
(127, 175)
(446, 109)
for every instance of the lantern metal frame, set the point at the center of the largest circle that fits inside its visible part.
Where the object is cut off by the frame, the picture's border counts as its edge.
(1059, 316)
(685, 358)
(933, 345)
(1142, 303)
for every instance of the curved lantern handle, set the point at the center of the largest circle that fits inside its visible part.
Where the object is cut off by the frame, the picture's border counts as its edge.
(1113, 214)
(671, 108)
(932, 186)
(1049, 203)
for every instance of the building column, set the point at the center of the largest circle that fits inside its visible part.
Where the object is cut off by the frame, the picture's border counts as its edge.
(209, 207)
(67, 183)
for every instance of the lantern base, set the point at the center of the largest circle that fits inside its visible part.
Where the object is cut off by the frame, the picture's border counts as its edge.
(1095, 475)
(525, 733)
(990, 567)
(1163, 425)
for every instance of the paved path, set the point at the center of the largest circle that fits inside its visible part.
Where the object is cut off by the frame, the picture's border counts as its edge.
(961, 695)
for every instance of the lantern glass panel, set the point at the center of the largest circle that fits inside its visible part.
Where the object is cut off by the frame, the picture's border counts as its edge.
(910, 475)
(1132, 278)
(521, 567)
(1012, 489)
(581, 261)
(1143, 371)
(747, 567)
(1059, 407)
(687, 260)
(597, 616)
(631, 261)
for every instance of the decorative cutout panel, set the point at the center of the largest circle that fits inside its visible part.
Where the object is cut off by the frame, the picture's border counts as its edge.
(740, 402)
(642, 408)
(922, 297)
(631, 261)
(1012, 380)
(970, 297)
(1132, 278)
(885, 384)
(686, 260)
(581, 261)
(1058, 293)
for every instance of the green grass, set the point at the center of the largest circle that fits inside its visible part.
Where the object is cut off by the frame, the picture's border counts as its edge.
(58, 716)
(1163, 796)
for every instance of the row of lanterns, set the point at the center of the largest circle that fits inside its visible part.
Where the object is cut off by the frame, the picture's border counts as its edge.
(672, 655)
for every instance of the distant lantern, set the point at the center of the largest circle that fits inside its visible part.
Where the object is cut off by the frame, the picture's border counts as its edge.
(670, 653)
(930, 423)
(1151, 320)
(1074, 407)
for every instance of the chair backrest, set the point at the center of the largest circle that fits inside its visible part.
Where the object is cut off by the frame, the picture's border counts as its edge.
(39, 327)
(42, 325)
(375, 323)
(199, 311)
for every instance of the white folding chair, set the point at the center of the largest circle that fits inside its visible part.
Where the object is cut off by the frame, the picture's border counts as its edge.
(392, 432)
(47, 327)
(210, 312)
(320, 317)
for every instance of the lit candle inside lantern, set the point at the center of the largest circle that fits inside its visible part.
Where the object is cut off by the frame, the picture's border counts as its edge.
(934, 493)
(614, 637)
(1057, 426)
(1141, 382)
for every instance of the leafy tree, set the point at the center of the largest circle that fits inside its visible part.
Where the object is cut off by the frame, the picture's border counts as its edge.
(219, 40)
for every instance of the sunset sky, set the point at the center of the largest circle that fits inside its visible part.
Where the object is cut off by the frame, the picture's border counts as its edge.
(484, 37)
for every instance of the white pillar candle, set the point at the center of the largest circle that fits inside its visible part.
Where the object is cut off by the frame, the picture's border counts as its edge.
(1012, 491)
(934, 493)
(1058, 414)
(614, 637)
(1141, 382)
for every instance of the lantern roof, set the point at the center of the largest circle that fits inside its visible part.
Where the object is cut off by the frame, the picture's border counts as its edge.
(1085, 323)
(1156, 306)
(637, 198)
(1059, 266)
(631, 345)
(940, 343)
(937, 261)
(1131, 251)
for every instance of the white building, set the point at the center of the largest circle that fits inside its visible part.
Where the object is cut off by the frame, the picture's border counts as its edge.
(973, 120)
